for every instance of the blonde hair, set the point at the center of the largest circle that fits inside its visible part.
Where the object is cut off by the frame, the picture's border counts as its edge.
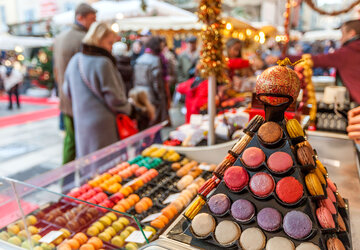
(97, 32)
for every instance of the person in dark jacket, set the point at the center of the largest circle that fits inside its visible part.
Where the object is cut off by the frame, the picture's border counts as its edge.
(66, 45)
(346, 60)
(123, 64)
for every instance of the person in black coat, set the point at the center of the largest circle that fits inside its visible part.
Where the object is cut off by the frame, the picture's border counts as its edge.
(123, 64)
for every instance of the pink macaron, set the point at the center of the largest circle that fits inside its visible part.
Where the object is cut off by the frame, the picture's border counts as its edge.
(325, 218)
(330, 194)
(280, 162)
(328, 204)
(331, 185)
(253, 157)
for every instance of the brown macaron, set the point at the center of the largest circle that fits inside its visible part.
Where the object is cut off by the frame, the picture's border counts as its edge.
(341, 223)
(270, 132)
(305, 153)
(334, 244)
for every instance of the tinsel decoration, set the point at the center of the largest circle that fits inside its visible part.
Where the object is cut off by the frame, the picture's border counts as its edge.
(308, 64)
(212, 60)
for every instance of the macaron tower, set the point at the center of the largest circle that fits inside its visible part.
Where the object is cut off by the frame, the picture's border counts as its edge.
(277, 194)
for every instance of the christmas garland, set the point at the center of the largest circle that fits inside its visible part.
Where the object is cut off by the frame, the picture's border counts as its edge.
(308, 64)
(212, 60)
(333, 13)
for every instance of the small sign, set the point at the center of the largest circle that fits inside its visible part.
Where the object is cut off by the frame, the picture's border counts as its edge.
(138, 237)
(151, 217)
(171, 198)
(196, 120)
(130, 183)
(205, 167)
(51, 236)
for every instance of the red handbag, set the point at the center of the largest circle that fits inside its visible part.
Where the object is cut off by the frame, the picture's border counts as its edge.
(125, 126)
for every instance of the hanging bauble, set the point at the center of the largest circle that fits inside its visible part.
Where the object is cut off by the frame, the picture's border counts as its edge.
(278, 80)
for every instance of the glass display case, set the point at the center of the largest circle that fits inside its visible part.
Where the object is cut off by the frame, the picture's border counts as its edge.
(38, 215)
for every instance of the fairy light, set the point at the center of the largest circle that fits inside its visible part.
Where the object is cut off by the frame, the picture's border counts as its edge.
(115, 27)
(248, 32)
(229, 26)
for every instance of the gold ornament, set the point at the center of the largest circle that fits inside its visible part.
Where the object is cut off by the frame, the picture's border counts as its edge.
(308, 64)
(212, 61)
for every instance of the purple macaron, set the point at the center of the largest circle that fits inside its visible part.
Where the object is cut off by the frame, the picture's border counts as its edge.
(269, 219)
(219, 204)
(297, 224)
(242, 210)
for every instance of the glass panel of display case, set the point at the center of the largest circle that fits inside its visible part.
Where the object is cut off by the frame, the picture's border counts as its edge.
(43, 219)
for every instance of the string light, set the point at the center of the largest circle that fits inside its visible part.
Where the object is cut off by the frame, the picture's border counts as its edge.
(229, 26)
(18, 49)
(248, 32)
(20, 57)
(115, 27)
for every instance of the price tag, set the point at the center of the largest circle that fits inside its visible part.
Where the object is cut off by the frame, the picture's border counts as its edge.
(151, 217)
(130, 183)
(50, 237)
(171, 198)
(205, 167)
(138, 237)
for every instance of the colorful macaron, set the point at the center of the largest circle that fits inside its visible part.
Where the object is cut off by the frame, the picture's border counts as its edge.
(202, 225)
(305, 153)
(330, 194)
(331, 185)
(236, 178)
(294, 128)
(334, 244)
(328, 204)
(313, 184)
(325, 218)
(307, 246)
(270, 133)
(341, 223)
(252, 239)
(242, 210)
(262, 184)
(276, 243)
(219, 204)
(297, 224)
(289, 190)
(280, 162)
(227, 232)
(253, 157)
(269, 219)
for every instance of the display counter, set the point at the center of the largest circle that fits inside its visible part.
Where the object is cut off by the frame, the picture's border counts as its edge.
(45, 193)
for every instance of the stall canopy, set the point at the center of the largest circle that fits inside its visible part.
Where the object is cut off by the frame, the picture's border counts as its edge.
(314, 35)
(109, 10)
(10, 42)
(160, 23)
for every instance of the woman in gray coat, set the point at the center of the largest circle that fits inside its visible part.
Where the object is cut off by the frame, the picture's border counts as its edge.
(96, 90)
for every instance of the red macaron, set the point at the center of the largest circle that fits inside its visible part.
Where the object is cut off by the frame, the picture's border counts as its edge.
(325, 218)
(262, 184)
(289, 190)
(236, 178)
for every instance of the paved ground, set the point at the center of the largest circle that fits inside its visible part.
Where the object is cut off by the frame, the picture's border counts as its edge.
(33, 148)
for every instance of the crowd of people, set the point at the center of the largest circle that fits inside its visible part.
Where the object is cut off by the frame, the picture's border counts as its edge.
(99, 78)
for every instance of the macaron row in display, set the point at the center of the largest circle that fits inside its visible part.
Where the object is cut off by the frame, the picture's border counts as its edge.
(253, 158)
(288, 189)
(227, 233)
(268, 218)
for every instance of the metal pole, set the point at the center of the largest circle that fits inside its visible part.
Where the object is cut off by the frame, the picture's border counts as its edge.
(211, 109)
